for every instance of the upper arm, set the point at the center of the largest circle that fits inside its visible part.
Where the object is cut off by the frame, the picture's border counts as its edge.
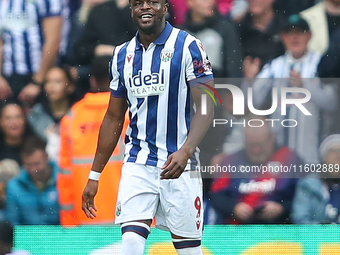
(50, 12)
(197, 64)
(198, 71)
(117, 87)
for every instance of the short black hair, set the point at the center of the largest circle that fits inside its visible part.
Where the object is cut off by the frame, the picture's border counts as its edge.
(11, 101)
(100, 68)
(6, 232)
(31, 144)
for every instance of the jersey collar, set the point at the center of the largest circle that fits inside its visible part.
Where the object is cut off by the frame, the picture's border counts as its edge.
(161, 40)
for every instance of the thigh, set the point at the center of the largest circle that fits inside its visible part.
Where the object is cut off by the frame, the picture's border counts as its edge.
(181, 206)
(138, 196)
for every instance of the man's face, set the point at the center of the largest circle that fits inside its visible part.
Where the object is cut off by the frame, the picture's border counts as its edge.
(260, 144)
(259, 7)
(36, 165)
(204, 8)
(12, 121)
(296, 40)
(148, 15)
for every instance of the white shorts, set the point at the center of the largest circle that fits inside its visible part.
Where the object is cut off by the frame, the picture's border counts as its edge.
(177, 203)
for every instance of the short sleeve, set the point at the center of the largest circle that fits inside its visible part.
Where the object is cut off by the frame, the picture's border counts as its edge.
(49, 8)
(198, 64)
(117, 87)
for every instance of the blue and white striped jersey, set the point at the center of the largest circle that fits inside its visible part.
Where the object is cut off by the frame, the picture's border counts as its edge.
(20, 23)
(156, 82)
(304, 138)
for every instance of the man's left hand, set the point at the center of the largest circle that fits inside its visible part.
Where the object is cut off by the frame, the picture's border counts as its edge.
(295, 79)
(174, 166)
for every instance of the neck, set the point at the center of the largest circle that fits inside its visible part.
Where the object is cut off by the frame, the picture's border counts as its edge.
(13, 141)
(333, 7)
(262, 21)
(197, 18)
(59, 108)
(299, 54)
(146, 39)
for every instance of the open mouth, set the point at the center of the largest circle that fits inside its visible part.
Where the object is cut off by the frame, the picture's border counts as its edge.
(146, 17)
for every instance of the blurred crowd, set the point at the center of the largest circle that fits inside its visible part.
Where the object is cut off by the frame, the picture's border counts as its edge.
(54, 91)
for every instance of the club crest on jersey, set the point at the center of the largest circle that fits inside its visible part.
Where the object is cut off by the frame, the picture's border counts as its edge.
(167, 54)
(147, 85)
(118, 209)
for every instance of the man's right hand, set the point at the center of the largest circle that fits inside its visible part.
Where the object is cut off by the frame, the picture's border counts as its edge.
(251, 67)
(5, 89)
(89, 193)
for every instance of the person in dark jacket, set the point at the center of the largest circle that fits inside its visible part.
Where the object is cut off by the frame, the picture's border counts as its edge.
(218, 35)
(260, 32)
(108, 25)
(31, 197)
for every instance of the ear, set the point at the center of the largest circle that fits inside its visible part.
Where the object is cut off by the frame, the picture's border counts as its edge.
(165, 8)
(309, 33)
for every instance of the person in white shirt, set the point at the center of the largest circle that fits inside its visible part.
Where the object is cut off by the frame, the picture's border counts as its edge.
(296, 68)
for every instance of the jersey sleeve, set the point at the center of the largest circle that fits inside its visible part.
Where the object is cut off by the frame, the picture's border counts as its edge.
(198, 67)
(49, 8)
(117, 87)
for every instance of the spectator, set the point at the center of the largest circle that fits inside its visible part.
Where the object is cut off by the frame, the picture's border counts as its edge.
(323, 19)
(9, 168)
(45, 116)
(317, 199)
(80, 74)
(78, 22)
(31, 197)
(29, 45)
(180, 9)
(218, 36)
(109, 24)
(299, 67)
(246, 198)
(260, 31)
(13, 130)
(79, 133)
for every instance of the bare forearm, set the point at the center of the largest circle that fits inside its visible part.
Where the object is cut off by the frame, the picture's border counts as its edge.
(200, 123)
(198, 128)
(109, 135)
(49, 53)
(52, 34)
